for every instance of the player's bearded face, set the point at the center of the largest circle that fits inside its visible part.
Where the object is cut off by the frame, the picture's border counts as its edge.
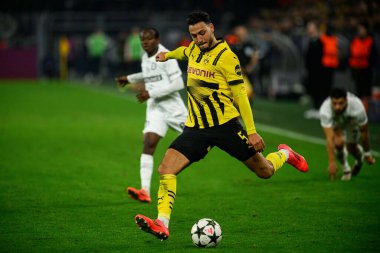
(339, 105)
(202, 34)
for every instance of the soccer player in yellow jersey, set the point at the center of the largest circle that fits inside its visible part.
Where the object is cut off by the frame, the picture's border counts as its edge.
(214, 85)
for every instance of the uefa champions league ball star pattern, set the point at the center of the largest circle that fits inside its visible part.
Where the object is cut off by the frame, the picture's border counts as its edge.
(206, 233)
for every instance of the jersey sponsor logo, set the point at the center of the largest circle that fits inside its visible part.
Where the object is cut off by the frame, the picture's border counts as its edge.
(200, 72)
(238, 70)
(151, 79)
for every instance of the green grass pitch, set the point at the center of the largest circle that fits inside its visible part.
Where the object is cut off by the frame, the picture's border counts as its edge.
(68, 151)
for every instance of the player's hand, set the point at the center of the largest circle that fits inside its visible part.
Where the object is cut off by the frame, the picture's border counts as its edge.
(370, 159)
(332, 170)
(121, 81)
(257, 142)
(160, 57)
(143, 95)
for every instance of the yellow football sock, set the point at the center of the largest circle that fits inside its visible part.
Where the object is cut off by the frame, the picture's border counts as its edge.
(166, 195)
(277, 159)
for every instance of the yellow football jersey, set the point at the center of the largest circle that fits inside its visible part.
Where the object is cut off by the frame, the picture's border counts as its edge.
(209, 77)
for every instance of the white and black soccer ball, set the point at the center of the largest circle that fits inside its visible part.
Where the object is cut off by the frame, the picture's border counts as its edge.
(206, 233)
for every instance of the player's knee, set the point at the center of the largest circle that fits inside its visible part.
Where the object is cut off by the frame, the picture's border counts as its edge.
(163, 169)
(264, 173)
(149, 146)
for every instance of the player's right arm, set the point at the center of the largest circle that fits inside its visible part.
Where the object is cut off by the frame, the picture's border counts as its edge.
(362, 119)
(230, 67)
(133, 78)
(327, 124)
(180, 53)
(330, 148)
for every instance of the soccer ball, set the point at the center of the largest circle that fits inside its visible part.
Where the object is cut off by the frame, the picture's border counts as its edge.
(206, 233)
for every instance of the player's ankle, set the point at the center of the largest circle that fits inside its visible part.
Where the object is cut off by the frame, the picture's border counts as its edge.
(164, 220)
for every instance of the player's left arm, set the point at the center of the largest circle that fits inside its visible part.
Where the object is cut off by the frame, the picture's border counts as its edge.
(230, 66)
(132, 78)
(364, 139)
(174, 75)
(241, 100)
(173, 85)
(362, 119)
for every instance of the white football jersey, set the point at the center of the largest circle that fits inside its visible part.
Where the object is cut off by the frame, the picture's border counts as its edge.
(353, 117)
(161, 78)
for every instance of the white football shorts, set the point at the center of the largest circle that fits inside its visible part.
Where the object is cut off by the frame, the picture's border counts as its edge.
(351, 134)
(159, 120)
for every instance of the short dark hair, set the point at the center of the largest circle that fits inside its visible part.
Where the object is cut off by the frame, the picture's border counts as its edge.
(198, 16)
(152, 30)
(338, 93)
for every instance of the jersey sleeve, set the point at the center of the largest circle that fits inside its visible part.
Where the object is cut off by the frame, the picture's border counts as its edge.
(325, 115)
(326, 121)
(180, 53)
(136, 77)
(173, 86)
(230, 67)
(174, 77)
(241, 100)
(360, 113)
(362, 119)
(172, 69)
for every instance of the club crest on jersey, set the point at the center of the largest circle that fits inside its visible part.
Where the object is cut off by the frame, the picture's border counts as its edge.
(238, 70)
(153, 66)
(206, 60)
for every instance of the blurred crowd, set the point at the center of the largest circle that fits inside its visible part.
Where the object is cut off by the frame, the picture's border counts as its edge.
(274, 38)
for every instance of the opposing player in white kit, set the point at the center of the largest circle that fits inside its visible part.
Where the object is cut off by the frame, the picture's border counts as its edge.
(345, 124)
(165, 108)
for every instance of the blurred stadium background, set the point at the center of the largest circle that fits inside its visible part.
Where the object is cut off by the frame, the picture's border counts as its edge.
(48, 38)
(70, 141)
